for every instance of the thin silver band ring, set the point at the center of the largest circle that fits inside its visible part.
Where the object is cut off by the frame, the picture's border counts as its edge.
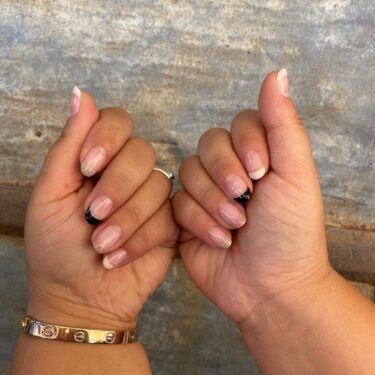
(169, 175)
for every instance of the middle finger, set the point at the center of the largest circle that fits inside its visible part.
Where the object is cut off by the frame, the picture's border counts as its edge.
(122, 177)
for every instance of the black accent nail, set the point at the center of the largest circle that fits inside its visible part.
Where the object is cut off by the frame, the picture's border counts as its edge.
(91, 219)
(243, 198)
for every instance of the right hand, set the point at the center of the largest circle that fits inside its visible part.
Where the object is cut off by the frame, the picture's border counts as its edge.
(280, 253)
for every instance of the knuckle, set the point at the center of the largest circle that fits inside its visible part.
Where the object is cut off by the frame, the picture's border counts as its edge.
(142, 242)
(116, 183)
(133, 215)
(145, 148)
(221, 163)
(187, 165)
(117, 114)
(177, 200)
(111, 132)
(173, 236)
(209, 134)
(210, 194)
(195, 218)
(245, 116)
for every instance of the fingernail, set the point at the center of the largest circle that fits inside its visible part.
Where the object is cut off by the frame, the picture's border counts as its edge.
(114, 259)
(254, 165)
(100, 207)
(93, 161)
(243, 198)
(237, 188)
(220, 237)
(107, 238)
(75, 101)
(282, 82)
(231, 215)
(91, 219)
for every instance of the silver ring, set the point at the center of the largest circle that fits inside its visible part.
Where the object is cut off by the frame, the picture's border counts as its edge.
(169, 175)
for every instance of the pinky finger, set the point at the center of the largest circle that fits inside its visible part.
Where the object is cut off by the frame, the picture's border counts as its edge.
(191, 216)
(159, 229)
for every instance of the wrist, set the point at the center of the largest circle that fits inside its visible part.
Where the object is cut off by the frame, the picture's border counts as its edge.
(313, 332)
(285, 309)
(63, 308)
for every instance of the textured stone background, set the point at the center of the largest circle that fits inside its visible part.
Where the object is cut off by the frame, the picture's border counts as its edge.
(180, 67)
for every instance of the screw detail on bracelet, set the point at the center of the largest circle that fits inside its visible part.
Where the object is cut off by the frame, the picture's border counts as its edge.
(78, 335)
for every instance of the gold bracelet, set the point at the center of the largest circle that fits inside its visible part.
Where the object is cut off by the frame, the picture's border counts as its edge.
(79, 335)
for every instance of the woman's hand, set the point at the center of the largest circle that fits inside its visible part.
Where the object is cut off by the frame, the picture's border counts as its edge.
(277, 247)
(68, 283)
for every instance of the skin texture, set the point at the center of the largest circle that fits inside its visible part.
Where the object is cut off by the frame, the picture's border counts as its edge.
(273, 277)
(264, 263)
(286, 209)
(68, 284)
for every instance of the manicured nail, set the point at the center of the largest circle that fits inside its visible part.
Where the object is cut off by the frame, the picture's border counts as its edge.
(114, 259)
(282, 82)
(254, 165)
(237, 188)
(220, 237)
(243, 198)
(231, 215)
(107, 238)
(100, 207)
(75, 101)
(91, 219)
(93, 161)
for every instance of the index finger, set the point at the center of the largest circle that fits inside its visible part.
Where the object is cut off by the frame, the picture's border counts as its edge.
(222, 164)
(105, 140)
(249, 141)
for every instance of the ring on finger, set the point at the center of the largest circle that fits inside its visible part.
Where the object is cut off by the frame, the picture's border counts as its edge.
(169, 175)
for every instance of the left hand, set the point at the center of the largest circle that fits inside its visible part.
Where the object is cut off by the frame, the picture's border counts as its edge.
(68, 283)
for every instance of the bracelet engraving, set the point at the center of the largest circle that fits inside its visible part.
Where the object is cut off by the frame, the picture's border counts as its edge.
(78, 335)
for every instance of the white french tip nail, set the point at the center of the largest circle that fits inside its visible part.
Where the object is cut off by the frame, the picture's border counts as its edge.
(256, 175)
(75, 101)
(107, 264)
(226, 244)
(76, 91)
(283, 82)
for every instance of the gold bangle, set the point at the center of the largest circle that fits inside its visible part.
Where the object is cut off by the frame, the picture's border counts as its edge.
(79, 335)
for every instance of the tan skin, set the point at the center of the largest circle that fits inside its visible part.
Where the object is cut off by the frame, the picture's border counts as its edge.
(286, 209)
(68, 284)
(273, 279)
(264, 264)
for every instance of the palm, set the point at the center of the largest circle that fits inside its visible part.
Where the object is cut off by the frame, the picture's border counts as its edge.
(61, 257)
(266, 252)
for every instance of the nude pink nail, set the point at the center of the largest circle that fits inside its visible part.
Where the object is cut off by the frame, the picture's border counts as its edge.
(220, 237)
(100, 207)
(254, 165)
(106, 238)
(75, 101)
(282, 82)
(235, 185)
(115, 259)
(93, 161)
(231, 215)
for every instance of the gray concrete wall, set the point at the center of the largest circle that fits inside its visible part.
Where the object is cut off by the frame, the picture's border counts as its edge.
(180, 67)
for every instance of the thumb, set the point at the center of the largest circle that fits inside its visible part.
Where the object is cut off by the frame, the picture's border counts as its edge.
(61, 173)
(288, 141)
